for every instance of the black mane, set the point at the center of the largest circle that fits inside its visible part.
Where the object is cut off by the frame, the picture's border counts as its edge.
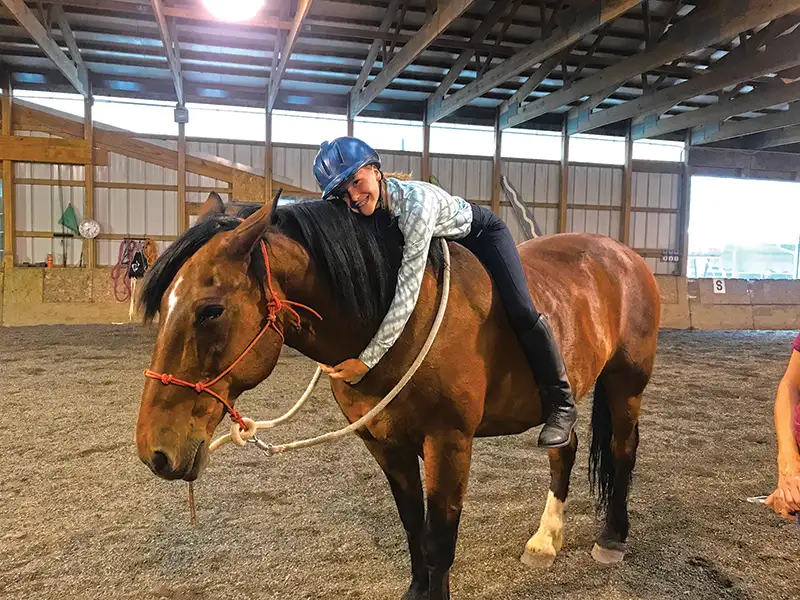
(359, 256)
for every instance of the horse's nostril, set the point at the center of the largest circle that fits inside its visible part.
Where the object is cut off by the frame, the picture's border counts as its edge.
(159, 462)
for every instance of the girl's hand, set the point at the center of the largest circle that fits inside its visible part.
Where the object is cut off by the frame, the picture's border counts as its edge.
(351, 371)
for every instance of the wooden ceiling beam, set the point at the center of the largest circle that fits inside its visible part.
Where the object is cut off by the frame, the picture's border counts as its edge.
(781, 54)
(704, 27)
(25, 17)
(288, 47)
(584, 20)
(440, 21)
(171, 49)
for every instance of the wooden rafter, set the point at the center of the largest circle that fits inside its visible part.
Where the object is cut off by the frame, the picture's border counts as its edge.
(782, 53)
(587, 20)
(171, 49)
(423, 38)
(372, 55)
(491, 19)
(291, 39)
(702, 28)
(37, 31)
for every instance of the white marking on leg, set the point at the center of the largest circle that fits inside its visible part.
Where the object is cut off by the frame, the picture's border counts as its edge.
(172, 299)
(545, 544)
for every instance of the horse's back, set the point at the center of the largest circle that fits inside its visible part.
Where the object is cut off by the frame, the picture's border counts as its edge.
(599, 293)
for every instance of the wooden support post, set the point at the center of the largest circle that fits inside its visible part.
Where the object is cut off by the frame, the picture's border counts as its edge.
(426, 148)
(564, 188)
(8, 178)
(683, 215)
(89, 246)
(496, 166)
(350, 120)
(268, 192)
(627, 188)
(183, 220)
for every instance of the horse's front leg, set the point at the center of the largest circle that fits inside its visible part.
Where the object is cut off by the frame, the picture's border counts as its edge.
(400, 464)
(447, 457)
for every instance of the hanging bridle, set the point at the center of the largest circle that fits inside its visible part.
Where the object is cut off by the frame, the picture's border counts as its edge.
(274, 306)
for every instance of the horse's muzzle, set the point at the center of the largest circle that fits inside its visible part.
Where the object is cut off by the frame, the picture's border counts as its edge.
(161, 465)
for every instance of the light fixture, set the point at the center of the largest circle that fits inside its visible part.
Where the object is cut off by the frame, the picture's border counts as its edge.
(233, 10)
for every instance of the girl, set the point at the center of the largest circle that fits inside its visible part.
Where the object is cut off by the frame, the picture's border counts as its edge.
(348, 170)
(785, 500)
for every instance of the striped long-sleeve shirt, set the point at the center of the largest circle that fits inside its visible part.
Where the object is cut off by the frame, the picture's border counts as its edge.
(423, 212)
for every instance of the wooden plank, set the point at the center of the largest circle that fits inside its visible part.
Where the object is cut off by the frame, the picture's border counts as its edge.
(426, 148)
(745, 160)
(372, 55)
(268, 157)
(484, 29)
(30, 149)
(183, 219)
(590, 16)
(563, 198)
(171, 49)
(102, 236)
(627, 190)
(28, 117)
(89, 246)
(782, 53)
(714, 132)
(9, 186)
(707, 26)
(508, 108)
(684, 201)
(775, 138)
(36, 30)
(248, 187)
(497, 165)
(291, 39)
(770, 95)
(423, 38)
(69, 38)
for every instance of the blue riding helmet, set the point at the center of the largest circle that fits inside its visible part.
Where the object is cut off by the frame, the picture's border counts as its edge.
(337, 161)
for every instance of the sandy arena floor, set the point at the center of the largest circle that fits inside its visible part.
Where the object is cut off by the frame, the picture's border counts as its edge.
(81, 517)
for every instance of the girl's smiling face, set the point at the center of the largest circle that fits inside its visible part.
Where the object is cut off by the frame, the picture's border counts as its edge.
(363, 191)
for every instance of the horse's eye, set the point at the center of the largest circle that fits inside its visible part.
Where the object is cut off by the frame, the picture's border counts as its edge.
(209, 313)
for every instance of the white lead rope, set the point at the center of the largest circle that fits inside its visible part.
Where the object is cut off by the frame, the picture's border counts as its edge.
(240, 438)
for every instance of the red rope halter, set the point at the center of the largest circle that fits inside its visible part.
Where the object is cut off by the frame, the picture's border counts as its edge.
(274, 306)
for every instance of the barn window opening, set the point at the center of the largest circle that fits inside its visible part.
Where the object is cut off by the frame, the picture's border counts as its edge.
(744, 229)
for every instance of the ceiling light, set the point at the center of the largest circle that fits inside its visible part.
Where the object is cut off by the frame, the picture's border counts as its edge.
(233, 10)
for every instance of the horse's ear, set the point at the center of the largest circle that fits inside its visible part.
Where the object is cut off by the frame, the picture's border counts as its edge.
(212, 206)
(275, 201)
(250, 232)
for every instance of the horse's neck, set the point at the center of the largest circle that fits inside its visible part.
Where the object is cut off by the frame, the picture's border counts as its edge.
(330, 340)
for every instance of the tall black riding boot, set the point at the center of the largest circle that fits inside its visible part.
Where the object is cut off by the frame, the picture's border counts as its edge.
(547, 364)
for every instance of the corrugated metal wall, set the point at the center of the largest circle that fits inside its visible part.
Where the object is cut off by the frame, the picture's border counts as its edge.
(40, 206)
(655, 201)
(595, 186)
(124, 210)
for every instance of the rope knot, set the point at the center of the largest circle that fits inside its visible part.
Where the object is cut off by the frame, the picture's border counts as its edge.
(199, 387)
(166, 378)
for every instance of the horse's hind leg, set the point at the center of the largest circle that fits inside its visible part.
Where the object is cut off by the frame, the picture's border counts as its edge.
(541, 549)
(615, 438)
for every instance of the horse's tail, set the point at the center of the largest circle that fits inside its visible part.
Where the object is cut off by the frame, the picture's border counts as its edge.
(602, 473)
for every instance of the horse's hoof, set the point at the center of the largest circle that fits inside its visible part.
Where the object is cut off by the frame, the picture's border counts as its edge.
(538, 560)
(607, 556)
(413, 593)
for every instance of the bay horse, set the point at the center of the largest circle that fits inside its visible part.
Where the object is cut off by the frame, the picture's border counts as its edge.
(211, 292)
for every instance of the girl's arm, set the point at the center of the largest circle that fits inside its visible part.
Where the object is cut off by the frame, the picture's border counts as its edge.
(417, 224)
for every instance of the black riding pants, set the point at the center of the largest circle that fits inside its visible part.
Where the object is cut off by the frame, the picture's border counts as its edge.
(491, 241)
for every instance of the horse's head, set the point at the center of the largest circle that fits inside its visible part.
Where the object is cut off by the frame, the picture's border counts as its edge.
(208, 290)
